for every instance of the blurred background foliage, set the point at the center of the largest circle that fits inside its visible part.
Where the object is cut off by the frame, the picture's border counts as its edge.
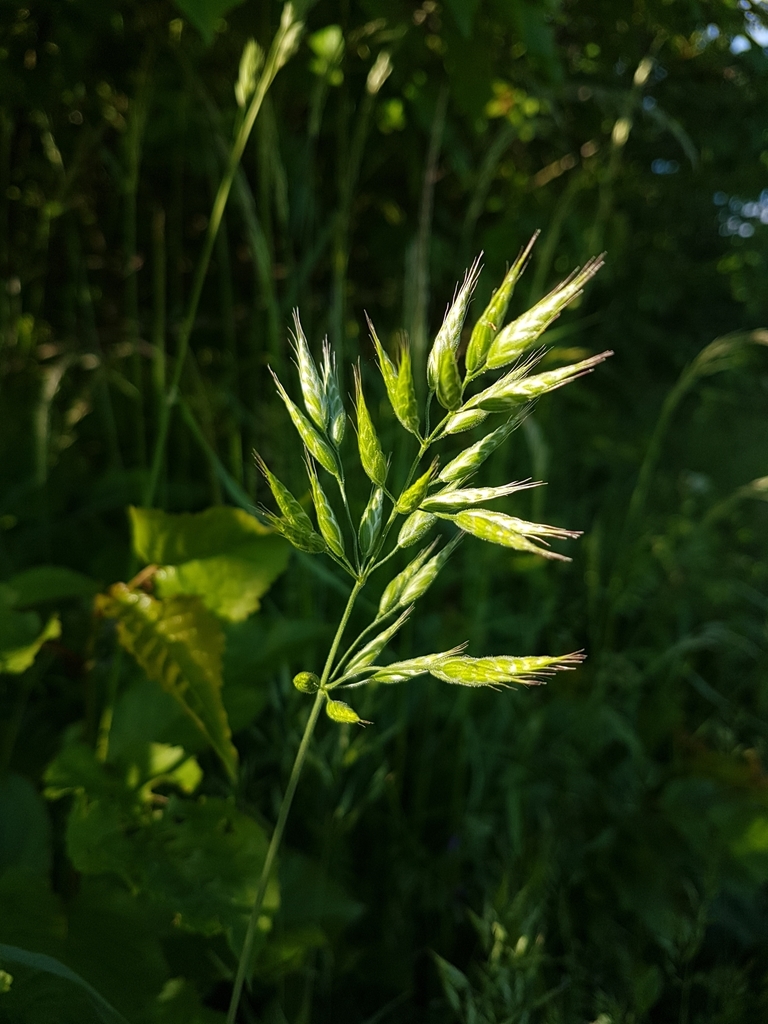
(595, 851)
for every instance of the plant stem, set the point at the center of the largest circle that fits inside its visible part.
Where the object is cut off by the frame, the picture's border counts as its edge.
(285, 806)
(282, 47)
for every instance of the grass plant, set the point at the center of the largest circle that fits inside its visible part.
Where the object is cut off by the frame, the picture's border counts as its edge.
(402, 515)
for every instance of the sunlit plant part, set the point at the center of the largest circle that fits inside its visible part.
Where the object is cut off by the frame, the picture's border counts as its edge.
(400, 515)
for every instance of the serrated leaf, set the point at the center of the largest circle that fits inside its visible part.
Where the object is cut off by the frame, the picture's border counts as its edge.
(165, 538)
(179, 644)
(229, 585)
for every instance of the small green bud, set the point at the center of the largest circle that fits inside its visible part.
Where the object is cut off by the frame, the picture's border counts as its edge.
(336, 415)
(288, 505)
(370, 523)
(371, 455)
(449, 335)
(317, 447)
(311, 383)
(463, 420)
(524, 332)
(448, 380)
(489, 324)
(390, 599)
(326, 518)
(411, 498)
(306, 682)
(417, 525)
(338, 711)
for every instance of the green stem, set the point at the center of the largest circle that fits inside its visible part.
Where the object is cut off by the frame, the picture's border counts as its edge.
(281, 49)
(285, 806)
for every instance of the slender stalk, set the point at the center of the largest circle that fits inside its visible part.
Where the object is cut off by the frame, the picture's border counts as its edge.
(285, 806)
(282, 47)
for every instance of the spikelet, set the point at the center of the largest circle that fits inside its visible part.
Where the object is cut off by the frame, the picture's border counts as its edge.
(422, 580)
(390, 599)
(288, 505)
(501, 671)
(449, 501)
(510, 532)
(312, 388)
(414, 495)
(371, 456)
(416, 526)
(370, 523)
(524, 332)
(471, 459)
(326, 518)
(400, 671)
(338, 711)
(336, 416)
(313, 442)
(489, 324)
(463, 420)
(306, 682)
(368, 654)
(449, 335)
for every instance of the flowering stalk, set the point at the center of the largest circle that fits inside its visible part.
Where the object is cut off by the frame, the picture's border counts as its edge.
(424, 499)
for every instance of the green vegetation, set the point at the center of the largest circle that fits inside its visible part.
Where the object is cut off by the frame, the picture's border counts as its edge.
(175, 180)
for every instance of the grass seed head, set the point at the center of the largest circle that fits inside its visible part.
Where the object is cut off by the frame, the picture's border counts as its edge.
(416, 526)
(489, 324)
(524, 332)
(449, 335)
(312, 388)
(371, 456)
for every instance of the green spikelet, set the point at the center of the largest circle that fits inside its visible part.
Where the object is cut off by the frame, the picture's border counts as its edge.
(312, 388)
(523, 333)
(371, 455)
(326, 518)
(449, 335)
(313, 442)
(370, 523)
(489, 324)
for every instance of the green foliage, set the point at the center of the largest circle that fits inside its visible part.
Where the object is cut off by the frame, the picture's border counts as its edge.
(593, 850)
(179, 644)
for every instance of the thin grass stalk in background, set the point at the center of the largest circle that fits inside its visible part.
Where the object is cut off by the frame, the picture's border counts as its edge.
(133, 145)
(417, 269)
(285, 41)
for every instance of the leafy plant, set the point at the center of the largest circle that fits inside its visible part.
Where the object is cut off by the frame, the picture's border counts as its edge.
(397, 517)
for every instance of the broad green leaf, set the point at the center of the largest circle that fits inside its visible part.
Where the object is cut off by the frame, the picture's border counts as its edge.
(163, 538)
(50, 583)
(229, 585)
(206, 14)
(21, 633)
(179, 644)
(14, 956)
